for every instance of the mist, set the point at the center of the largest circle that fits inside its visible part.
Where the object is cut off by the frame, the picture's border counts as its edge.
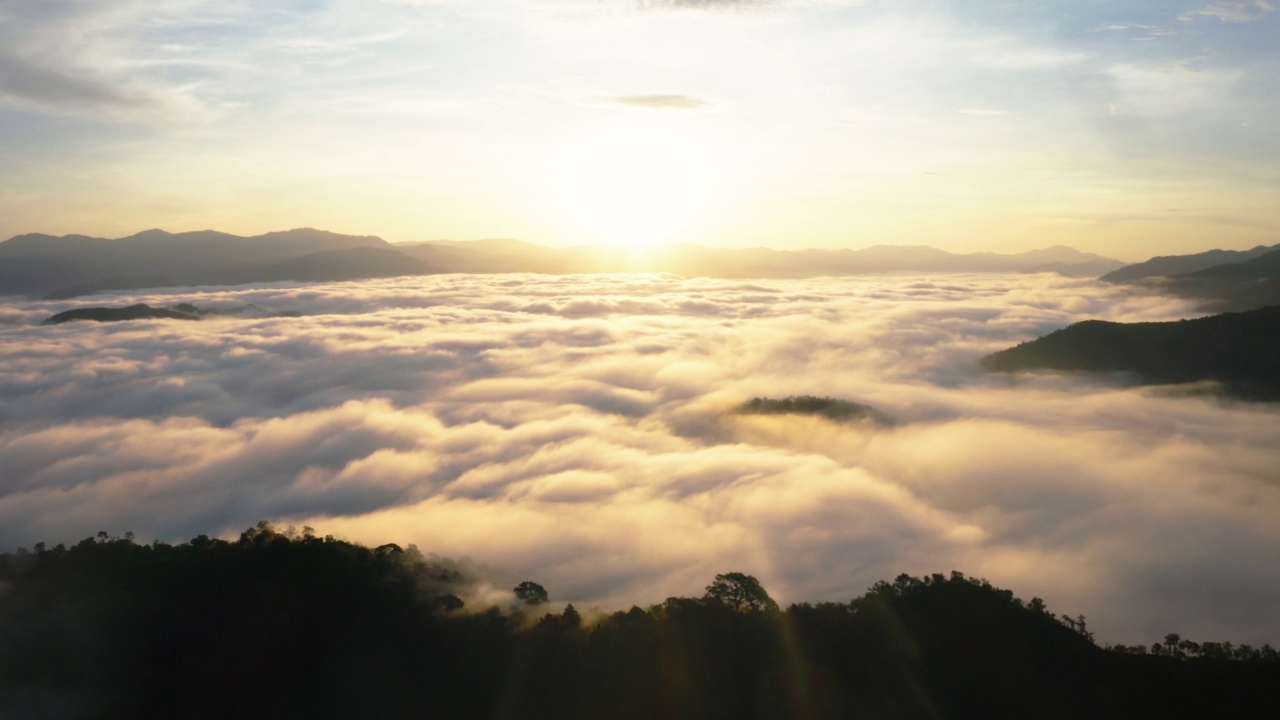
(580, 431)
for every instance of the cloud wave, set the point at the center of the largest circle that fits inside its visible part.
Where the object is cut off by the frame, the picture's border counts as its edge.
(579, 431)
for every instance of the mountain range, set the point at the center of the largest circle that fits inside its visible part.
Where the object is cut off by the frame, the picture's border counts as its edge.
(1223, 280)
(502, 255)
(72, 265)
(1170, 265)
(75, 265)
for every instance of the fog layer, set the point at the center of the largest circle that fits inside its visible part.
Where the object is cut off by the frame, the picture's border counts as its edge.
(579, 431)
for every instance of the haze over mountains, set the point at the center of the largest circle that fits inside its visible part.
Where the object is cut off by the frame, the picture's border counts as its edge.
(1234, 350)
(74, 265)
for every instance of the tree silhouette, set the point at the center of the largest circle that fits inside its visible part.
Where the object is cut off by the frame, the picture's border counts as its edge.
(302, 626)
(531, 593)
(741, 592)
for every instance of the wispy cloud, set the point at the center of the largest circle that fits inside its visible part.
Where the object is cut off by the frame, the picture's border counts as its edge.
(657, 102)
(1237, 11)
(26, 83)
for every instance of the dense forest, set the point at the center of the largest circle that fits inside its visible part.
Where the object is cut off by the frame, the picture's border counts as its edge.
(284, 624)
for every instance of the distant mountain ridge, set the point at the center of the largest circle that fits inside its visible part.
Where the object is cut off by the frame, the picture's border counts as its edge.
(700, 261)
(75, 265)
(1169, 265)
(1223, 280)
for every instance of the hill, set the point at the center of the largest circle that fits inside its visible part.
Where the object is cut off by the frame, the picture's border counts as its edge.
(1244, 285)
(280, 624)
(109, 314)
(1239, 350)
(1169, 265)
(1223, 280)
(75, 265)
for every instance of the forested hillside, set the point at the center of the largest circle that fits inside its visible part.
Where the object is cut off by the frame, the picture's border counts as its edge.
(293, 625)
(1239, 350)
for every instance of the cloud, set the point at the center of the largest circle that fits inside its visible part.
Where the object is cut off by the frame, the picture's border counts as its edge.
(51, 63)
(27, 83)
(724, 4)
(579, 431)
(1235, 12)
(658, 102)
(701, 4)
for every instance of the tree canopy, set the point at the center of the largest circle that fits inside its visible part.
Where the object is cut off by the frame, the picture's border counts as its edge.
(283, 624)
(740, 592)
(531, 593)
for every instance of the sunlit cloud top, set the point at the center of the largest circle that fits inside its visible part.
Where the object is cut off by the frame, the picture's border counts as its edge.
(1132, 128)
(581, 431)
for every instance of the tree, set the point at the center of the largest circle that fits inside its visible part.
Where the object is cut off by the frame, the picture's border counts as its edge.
(740, 592)
(531, 593)
(571, 618)
(449, 602)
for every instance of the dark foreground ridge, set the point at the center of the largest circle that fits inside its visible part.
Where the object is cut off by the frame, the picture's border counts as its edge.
(282, 625)
(1239, 350)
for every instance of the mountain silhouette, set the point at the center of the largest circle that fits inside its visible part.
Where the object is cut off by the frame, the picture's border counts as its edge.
(74, 265)
(109, 314)
(1222, 280)
(1170, 265)
(1239, 350)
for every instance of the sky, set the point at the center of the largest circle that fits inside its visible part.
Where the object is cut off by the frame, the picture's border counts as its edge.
(580, 432)
(1125, 127)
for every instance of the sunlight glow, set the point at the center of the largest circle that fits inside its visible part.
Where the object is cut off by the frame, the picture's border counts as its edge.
(632, 194)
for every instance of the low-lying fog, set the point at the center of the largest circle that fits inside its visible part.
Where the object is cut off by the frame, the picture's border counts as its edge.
(578, 431)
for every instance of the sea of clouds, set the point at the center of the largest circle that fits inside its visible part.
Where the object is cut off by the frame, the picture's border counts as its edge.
(579, 431)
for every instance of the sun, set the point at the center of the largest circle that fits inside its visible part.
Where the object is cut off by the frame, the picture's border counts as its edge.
(632, 194)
